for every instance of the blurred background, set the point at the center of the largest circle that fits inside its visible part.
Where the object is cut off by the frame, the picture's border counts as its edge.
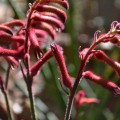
(84, 18)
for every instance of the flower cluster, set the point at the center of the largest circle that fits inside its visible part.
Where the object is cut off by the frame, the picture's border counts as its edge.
(81, 99)
(45, 17)
(88, 53)
(19, 37)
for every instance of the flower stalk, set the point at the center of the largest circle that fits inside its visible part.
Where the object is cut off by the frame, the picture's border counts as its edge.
(3, 89)
(32, 103)
(79, 75)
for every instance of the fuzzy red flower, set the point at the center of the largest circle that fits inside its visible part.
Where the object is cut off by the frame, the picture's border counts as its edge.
(102, 82)
(81, 99)
(62, 66)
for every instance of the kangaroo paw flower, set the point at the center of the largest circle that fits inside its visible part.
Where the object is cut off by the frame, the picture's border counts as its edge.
(62, 66)
(102, 82)
(100, 55)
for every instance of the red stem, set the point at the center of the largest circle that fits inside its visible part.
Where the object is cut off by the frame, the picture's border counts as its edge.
(79, 76)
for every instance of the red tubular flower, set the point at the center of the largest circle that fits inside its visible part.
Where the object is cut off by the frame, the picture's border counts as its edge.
(102, 82)
(11, 60)
(114, 32)
(34, 43)
(48, 19)
(45, 27)
(89, 101)
(8, 38)
(48, 8)
(40, 33)
(14, 53)
(115, 39)
(100, 55)
(6, 29)
(62, 66)
(14, 23)
(81, 99)
(37, 66)
(83, 53)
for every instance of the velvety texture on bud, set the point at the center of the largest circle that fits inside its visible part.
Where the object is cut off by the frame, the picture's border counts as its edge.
(83, 53)
(19, 53)
(62, 66)
(48, 8)
(34, 43)
(48, 19)
(14, 23)
(63, 3)
(100, 55)
(81, 99)
(6, 29)
(40, 33)
(45, 27)
(37, 66)
(102, 82)
(8, 38)
(115, 39)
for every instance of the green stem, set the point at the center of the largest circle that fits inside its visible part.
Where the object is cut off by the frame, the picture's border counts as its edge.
(32, 103)
(8, 106)
(77, 114)
(16, 9)
(7, 76)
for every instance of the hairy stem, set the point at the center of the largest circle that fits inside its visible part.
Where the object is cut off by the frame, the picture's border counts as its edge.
(31, 102)
(7, 76)
(78, 78)
(27, 59)
(28, 24)
(8, 106)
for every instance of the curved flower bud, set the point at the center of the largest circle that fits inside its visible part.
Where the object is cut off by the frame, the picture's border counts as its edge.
(100, 55)
(51, 15)
(83, 53)
(89, 101)
(37, 66)
(15, 53)
(34, 43)
(81, 99)
(62, 66)
(12, 61)
(115, 40)
(115, 27)
(8, 38)
(14, 23)
(40, 33)
(47, 8)
(50, 20)
(45, 27)
(102, 82)
(6, 29)
(63, 3)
